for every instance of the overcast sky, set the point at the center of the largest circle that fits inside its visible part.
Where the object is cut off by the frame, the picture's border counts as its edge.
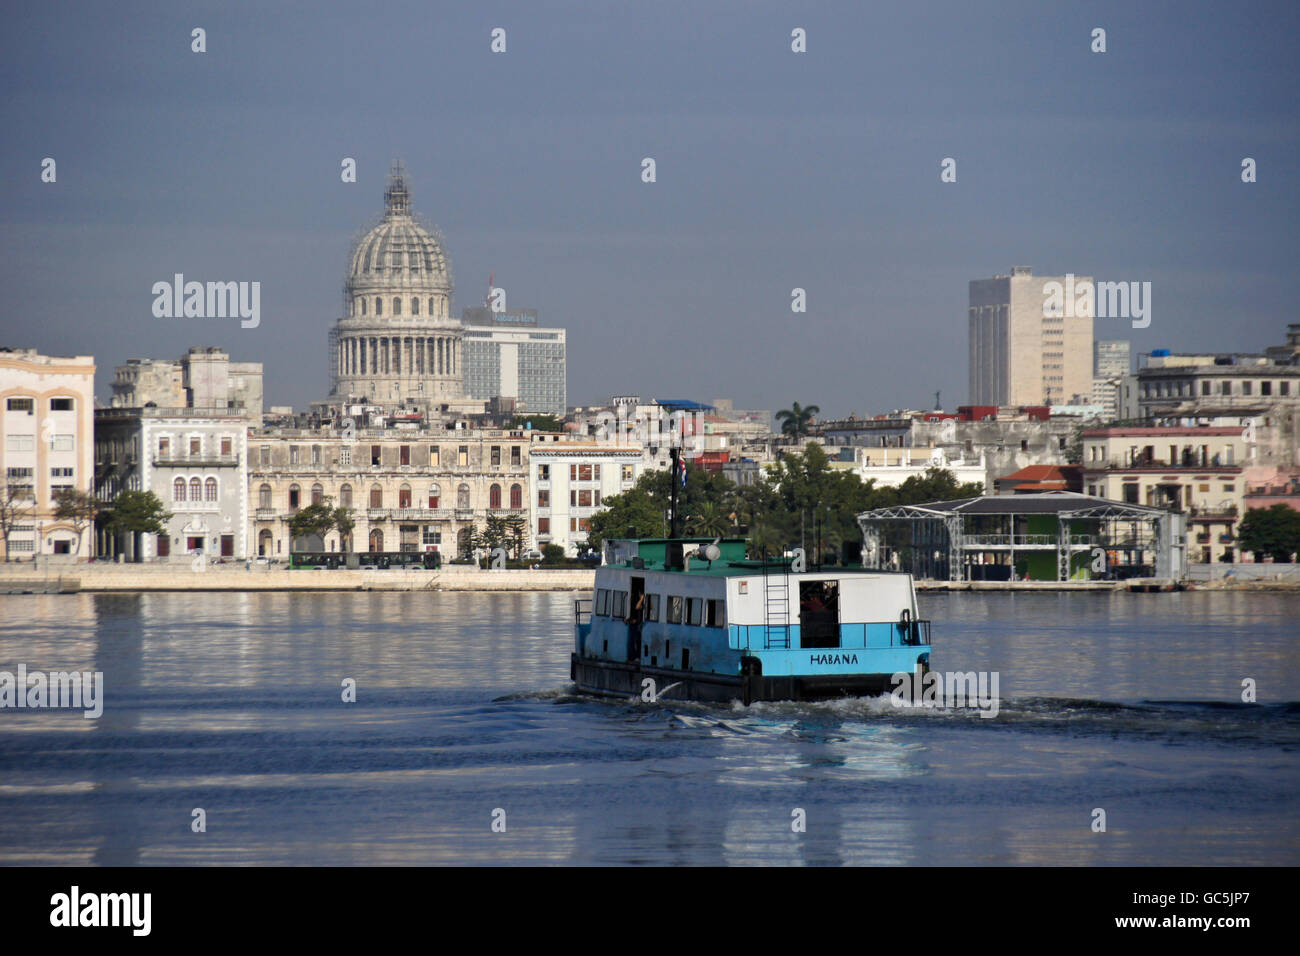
(775, 170)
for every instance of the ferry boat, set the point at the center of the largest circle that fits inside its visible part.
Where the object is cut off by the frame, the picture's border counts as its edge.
(703, 621)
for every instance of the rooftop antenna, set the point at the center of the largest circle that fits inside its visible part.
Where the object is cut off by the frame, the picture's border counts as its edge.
(487, 300)
(937, 406)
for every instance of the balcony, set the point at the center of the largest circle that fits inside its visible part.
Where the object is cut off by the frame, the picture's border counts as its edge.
(1226, 512)
(173, 460)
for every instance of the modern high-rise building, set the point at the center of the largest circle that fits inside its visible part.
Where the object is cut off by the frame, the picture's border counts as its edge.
(1022, 350)
(508, 355)
(1110, 365)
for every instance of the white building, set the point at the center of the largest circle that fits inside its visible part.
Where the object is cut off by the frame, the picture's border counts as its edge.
(509, 356)
(195, 461)
(570, 481)
(47, 405)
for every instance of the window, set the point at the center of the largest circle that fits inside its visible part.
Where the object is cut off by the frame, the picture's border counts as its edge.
(1246, 387)
(433, 456)
(494, 497)
(602, 602)
(620, 604)
(1284, 388)
(315, 454)
(196, 446)
(435, 495)
(1205, 388)
(227, 447)
(573, 498)
(596, 496)
(627, 472)
(543, 525)
(652, 607)
(376, 496)
(294, 455)
(404, 454)
(178, 489)
(27, 405)
(584, 498)
(20, 443)
(345, 496)
(716, 614)
(295, 493)
(543, 499)
(431, 536)
(164, 446)
(674, 610)
(595, 472)
(516, 496)
(543, 472)
(264, 496)
(374, 455)
(462, 497)
(317, 494)
(580, 472)
(379, 306)
(1225, 388)
(345, 454)
(266, 456)
(496, 456)
(694, 610)
(60, 472)
(196, 490)
(210, 490)
(397, 306)
(462, 456)
(404, 496)
(515, 455)
(415, 306)
(1266, 388)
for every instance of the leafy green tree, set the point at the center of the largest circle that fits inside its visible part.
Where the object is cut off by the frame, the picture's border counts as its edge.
(1271, 531)
(516, 529)
(314, 520)
(136, 513)
(344, 523)
(17, 505)
(796, 421)
(552, 553)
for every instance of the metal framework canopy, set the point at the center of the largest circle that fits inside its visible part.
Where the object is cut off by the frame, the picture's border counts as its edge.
(1055, 535)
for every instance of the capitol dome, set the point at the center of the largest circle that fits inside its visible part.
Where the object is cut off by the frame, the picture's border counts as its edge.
(396, 342)
(398, 267)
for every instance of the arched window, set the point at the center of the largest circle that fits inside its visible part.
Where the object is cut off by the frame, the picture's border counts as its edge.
(345, 496)
(379, 306)
(264, 496)
(363, 306)
(431, 309)
(178, 489)
(516, 496)
(462, 496)
(397, 306)
(435, 495)
(376, 540)
(210, 490)
(196, 490)
(376, 496)
(494, 497)
(294, 493)
(404, 496)
(317, 494)
(415, 306)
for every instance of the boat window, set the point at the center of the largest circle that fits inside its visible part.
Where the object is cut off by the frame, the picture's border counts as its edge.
(602, 601)
(620, 604)
(695, 610)
(652, 607)
(674, 610)
(716, 614)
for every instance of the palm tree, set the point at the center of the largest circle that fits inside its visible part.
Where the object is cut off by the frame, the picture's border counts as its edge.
(796, 419)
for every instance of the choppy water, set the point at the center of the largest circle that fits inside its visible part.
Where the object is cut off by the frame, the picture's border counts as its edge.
(232, 703)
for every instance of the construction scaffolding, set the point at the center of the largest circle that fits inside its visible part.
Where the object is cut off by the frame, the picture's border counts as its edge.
(1056, 535)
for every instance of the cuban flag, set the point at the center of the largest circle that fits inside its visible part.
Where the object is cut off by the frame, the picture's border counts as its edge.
(683, 464)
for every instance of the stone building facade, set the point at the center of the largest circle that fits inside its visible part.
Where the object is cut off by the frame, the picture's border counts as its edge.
(407, 490)
(47, 405)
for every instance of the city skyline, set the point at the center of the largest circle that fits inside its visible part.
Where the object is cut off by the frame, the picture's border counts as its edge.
(225, 166)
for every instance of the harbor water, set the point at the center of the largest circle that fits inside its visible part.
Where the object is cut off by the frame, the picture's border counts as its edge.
(466, 744)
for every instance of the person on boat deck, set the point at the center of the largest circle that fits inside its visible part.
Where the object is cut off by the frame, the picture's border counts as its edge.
(634, 616)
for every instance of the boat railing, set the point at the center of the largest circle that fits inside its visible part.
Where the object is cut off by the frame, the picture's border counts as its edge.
(582, 611)
(770, 637)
